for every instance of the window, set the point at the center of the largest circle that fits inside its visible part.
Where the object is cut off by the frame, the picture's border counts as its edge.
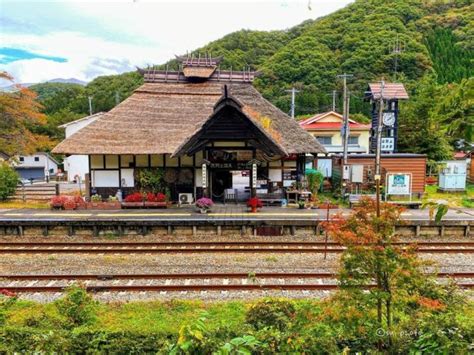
(37, 159)
(324, 140)
(353, 140)
(22, 158)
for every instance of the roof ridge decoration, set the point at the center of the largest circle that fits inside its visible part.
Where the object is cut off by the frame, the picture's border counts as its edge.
(197, 69)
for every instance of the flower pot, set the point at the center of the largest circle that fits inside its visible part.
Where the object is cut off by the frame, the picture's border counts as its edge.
(155, 204)
(132, 204)
(253, 209)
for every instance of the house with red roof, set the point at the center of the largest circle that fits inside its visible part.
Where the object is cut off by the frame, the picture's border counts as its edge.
(326, 128)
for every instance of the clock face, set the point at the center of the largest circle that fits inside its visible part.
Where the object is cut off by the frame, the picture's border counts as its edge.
(389, 118)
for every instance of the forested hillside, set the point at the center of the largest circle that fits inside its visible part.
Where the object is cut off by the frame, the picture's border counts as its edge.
(435, 63)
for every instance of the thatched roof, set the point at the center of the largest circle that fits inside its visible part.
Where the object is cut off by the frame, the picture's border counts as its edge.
(160, 117)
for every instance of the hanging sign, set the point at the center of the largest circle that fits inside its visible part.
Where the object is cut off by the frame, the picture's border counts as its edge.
(398, 184)
(388, 144)
(204, 176)
(254, 176)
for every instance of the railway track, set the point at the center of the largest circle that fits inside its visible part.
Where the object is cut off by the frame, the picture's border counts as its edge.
(210, 247)
(205, 282)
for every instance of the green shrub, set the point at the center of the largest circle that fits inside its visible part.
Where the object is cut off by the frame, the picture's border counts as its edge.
(276, 313)
(315, 179)
(119, 342)
(77, 306)
(8, 181)
(31, 340)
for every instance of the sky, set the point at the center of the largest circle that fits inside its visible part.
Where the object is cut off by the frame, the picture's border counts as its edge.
(43, 40)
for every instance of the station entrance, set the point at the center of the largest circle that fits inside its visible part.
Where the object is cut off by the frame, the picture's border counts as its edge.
(230, 185)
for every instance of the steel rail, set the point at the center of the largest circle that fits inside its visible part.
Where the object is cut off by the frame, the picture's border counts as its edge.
(235, 275)
(220, 243)
(142, 288)
(109, 250)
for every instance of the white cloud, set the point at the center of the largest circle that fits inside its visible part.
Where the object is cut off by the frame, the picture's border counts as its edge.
(126, 34)
(87, 57)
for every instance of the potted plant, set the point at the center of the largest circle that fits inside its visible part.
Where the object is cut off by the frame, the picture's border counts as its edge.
(80, 203)
(301, 204)
(113, 202)
(204, 204)
(95, 200)
(431, 180)
(69, 203)
(155, 200)
(135, 199)
(254, 203)
(57, 202)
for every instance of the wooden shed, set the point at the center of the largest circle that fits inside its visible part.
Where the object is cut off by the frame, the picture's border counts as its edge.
(364, 165)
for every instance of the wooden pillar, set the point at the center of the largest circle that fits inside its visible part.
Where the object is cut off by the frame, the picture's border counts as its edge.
(300, 166)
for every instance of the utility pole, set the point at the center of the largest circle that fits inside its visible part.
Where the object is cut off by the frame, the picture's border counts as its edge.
(345, 115)
(334, 92)
(90, 105)
(377, 176)
(397, 50)
(345, 131)
(117, 98)
(293, 94)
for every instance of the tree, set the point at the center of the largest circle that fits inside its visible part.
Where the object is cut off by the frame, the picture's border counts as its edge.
(8, 181)
(19, 110)
(394, 275)
(455, 110)
(421, 128)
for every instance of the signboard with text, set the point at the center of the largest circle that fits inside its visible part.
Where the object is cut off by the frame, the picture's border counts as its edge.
(398, 184)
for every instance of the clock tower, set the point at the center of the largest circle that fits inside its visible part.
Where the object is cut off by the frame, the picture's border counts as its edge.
(392, 93)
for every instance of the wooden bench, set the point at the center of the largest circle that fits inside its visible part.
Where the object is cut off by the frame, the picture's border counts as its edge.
(270, 198)
(409, 204)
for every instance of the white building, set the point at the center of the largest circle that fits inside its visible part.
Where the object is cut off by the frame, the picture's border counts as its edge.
(37, 166)
(77, 165)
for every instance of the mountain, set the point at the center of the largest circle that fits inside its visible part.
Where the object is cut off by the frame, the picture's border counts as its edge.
(13, 87)
(68, 81)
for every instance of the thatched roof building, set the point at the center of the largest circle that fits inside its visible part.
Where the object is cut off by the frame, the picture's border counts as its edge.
(165, 112)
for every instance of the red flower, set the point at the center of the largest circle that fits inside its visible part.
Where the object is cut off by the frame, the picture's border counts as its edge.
(135, 197)
(160, 197)
(254, 202)
(58, 201)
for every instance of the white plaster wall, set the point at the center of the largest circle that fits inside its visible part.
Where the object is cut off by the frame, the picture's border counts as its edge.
(105, 178)
(77, 164)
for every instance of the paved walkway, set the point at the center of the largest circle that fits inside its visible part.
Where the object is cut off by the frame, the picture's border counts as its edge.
(218, 212)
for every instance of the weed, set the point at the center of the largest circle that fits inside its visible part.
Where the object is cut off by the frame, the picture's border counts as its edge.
(272, 259)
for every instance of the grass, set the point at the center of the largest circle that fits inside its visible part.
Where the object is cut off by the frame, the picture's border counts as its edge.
(454, 199)
(23, 205)
(151, 316)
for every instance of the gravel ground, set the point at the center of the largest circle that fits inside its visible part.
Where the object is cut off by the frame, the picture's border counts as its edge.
(199, 237)
(197, 263)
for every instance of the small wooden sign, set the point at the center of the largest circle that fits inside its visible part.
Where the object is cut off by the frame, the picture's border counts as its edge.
(204, 176)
